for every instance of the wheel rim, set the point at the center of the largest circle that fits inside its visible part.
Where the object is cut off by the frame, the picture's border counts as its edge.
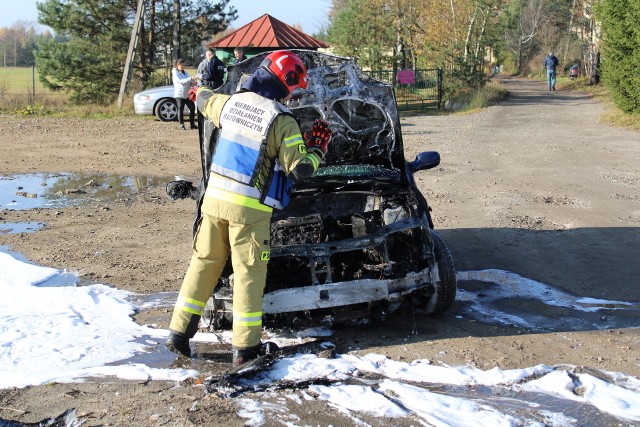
(168, 111)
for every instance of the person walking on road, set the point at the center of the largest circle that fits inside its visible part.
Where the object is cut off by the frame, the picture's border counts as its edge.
(550, 63)
(259, 152)
(182, 82)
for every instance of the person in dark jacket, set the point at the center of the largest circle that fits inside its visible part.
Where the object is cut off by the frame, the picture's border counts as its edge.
(203, 65)
(213, 75)
(550, 63)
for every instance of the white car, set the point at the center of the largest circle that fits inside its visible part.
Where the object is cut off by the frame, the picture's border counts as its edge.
(157, 101)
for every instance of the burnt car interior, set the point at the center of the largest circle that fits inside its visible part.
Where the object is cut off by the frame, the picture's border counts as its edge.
(356, 239)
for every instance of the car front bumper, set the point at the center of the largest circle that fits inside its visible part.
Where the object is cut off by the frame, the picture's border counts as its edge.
(142, 105)
(347, 293)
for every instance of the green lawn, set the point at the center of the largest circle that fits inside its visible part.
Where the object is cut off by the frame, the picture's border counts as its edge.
(19, 80)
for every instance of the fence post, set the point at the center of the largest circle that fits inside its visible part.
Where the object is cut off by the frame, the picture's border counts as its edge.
(33, 81)
(440, 76)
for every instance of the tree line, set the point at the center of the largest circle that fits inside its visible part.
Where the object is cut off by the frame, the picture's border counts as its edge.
(17, 44)
(467, 38)
(462, 36)
(86, 57)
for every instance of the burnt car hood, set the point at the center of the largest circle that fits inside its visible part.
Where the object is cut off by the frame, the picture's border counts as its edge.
(366, 139)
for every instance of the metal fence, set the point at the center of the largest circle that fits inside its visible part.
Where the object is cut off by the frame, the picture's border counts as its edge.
(414, 89)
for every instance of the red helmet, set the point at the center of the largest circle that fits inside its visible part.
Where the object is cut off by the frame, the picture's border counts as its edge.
(286, 67)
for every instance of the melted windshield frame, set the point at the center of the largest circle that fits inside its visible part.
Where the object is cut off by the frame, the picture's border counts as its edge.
(354, 171)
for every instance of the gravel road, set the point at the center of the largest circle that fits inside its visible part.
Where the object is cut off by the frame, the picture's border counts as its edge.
(533, 188)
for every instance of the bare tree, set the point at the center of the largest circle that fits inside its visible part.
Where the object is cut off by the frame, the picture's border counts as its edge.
(529, 27)
(593, 42)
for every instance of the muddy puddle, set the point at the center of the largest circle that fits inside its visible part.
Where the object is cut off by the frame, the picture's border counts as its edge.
(207, 357)
(45, 190)
(20, 227)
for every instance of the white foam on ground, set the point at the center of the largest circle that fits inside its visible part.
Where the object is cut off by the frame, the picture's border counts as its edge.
(61, 333)
(393, 398)
(512, 284)
(67, 333)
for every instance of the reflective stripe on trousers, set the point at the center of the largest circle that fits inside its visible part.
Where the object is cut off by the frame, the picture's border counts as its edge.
(237, 199)
(190, 305)
(247, 319)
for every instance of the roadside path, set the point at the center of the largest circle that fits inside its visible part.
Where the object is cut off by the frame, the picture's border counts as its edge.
(537, 186)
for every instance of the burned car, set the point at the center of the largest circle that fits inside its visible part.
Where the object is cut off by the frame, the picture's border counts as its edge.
(356, 239)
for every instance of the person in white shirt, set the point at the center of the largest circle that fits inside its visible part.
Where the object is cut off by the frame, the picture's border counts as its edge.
(182, 82)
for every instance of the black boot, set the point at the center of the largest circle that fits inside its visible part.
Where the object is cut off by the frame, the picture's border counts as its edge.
(244, 355)
(179, 343)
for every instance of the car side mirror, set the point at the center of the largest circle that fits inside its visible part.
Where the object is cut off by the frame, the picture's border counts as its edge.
(425, 160)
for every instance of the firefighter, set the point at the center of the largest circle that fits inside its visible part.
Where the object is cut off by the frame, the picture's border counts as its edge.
(259, 153)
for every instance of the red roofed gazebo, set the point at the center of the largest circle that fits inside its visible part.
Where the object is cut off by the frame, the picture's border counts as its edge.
(264, 34)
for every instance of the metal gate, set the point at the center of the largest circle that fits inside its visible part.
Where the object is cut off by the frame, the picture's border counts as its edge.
(414, 89)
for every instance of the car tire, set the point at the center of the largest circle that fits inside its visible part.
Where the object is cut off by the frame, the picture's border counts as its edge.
(445, 293)
(167, 110)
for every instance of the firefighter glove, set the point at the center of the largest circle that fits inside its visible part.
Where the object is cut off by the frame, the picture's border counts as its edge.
(318, 138)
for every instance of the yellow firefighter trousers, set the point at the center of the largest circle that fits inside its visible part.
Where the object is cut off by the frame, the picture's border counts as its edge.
(249, 246)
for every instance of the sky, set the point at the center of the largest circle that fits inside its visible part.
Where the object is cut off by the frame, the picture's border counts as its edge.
(87, 331)
(310, 14)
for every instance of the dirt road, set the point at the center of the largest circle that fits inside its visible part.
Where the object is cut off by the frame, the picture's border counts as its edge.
(534, 186)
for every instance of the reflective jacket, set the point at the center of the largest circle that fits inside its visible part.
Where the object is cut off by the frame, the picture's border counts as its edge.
(258, 153)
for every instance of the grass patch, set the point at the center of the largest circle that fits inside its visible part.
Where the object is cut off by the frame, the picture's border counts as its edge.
(470, 100)
(617, 117)
(17, 97)
(18, 80)
(54, 104)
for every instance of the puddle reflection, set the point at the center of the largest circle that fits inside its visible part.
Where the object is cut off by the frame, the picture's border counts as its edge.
(44, 190)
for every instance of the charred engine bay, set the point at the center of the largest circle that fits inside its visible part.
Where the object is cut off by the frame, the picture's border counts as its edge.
(345, 236)
(337, 237)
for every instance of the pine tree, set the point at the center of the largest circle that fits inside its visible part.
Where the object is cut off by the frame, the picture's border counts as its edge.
(621, 51)
(87, 56)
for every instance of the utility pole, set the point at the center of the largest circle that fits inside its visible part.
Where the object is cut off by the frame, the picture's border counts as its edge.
(133, 44)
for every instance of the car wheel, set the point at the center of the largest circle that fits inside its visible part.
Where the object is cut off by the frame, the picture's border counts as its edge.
(167, 110)
(445, 293)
